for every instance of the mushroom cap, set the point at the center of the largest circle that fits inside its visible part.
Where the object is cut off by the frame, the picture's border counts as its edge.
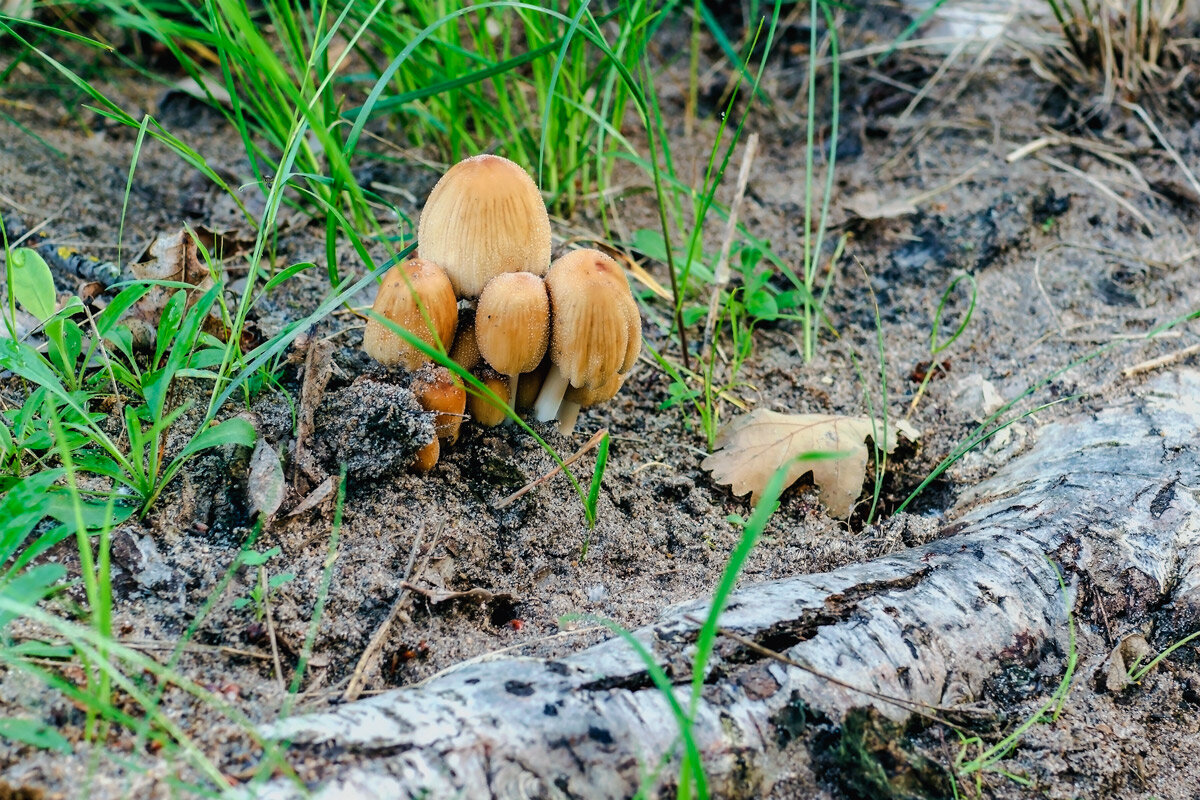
(591, 397)
(403, 285)
(596, 330)
(512, 322)
(427, 457)
(484, 217)
(437, 390)
(483, 410)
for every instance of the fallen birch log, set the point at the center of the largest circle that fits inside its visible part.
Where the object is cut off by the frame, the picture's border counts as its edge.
(1111, 498)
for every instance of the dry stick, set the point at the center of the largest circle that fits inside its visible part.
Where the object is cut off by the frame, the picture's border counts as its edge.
(355, 687)
(578, 454)
(1162, 361)
(721, 273)
(262, 582)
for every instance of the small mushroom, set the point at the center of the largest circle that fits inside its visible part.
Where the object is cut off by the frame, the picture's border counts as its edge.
(531, 385)
(575, 399)
(465, 352)
(484, 217)
(483, 410)
(512, 325)
(596, 331)
(437, 390)
(418, 297)
(427, 457)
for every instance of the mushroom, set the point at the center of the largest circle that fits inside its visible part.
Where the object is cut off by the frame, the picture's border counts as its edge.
(427, 457)
(437, 390)
(575, 399)
(483, 410)
(465, 352)
(596, 330)
(531, 385)
(512, 325)
(418, 297)
(484, 217)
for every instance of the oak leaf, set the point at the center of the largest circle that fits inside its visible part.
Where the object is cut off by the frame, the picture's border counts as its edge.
(752, 447)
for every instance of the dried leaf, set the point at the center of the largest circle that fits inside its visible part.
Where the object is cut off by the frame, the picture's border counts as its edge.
(1130, 651)
(265, 485)
(173, 258)
(868, 205)
(315, 497)
(752, 447)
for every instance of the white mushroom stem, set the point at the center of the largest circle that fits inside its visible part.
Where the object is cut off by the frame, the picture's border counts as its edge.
(568, 415)
(545, 408)
(512, 390)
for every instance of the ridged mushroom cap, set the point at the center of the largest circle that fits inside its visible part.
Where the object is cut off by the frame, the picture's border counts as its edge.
(512, 322)
(484, 217)
(595, 327)
(397, 300)
(591, 397)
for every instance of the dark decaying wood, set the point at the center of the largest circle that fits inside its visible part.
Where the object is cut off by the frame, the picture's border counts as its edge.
(1110, 497)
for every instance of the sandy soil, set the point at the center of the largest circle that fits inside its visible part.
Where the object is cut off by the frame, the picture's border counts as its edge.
(1062, 269)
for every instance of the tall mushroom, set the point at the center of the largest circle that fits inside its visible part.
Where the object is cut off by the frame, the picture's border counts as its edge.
(418, 297)
(484, 217)
(512, 325)
(596, 331)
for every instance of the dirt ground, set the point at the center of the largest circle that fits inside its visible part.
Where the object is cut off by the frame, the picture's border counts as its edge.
(1062, 268)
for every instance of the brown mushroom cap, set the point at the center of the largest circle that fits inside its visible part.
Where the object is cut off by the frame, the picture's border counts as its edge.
(512, 322)
(590, 397)
(427, 457)
(437, 390)
(484, 217)
(483, 410)
(596, 330)
(403, 286)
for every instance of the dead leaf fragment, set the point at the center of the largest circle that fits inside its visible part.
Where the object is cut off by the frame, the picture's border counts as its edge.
(752, 447)
(266, 482)
(172, 258)
(1131, 651)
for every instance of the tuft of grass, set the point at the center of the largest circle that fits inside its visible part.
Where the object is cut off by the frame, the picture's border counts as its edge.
(1128, 47)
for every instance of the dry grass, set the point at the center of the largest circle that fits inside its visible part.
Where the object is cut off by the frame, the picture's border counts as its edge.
(1128, 50)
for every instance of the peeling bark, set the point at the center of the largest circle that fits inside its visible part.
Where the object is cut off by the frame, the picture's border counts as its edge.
(1111, 498)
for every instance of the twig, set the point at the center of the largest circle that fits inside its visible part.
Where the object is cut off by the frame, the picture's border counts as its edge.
(578, 454)
(262, 583)
(355, 687)
(1162, 361)
(722, 271)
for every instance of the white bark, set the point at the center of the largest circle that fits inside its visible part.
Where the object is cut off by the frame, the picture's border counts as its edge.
(1109, 498)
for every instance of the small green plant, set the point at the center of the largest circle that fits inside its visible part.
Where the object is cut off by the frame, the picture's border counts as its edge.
(264, 587)
(593, 495)
(937, 347)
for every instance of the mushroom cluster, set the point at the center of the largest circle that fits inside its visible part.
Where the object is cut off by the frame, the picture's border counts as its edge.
(547, 337)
